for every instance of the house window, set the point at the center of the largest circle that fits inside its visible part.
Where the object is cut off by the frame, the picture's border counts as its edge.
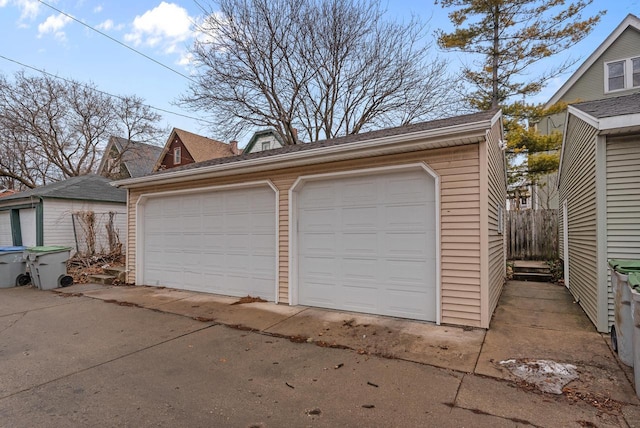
(622, 74)
(500, 219)
(177, 155)
(266, 145)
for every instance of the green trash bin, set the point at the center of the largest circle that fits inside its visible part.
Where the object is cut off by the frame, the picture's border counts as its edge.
(13, 267)
(634, 289)
(48, 266)
(622, 329)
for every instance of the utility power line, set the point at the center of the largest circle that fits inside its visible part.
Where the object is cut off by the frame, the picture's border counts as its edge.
(100, 91)
(118, 42)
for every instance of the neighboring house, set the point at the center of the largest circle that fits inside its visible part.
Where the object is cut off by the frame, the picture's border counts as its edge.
(7, 192)
(403, 222)
(600, 198)
(43, 216)
(183, 148)
(264, 140)
(128, 159)
(612, 70)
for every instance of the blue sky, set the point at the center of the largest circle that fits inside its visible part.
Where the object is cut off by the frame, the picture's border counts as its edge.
(36, 35)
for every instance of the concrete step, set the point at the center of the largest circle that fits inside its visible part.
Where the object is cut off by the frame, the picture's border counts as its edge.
(102, 279)
(119, 272)
(533, 269)
(532, 276)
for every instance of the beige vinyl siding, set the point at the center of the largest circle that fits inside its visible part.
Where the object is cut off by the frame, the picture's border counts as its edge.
(458, 168)
(590, 86)
(578, 187)
(623, 202)
(58, 225)
(497, 193)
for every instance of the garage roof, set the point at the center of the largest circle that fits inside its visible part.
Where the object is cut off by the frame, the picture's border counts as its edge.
(454, 131)
(86, 187)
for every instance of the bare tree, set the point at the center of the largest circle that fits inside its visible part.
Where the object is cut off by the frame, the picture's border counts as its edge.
(327, 68)
(51, 129)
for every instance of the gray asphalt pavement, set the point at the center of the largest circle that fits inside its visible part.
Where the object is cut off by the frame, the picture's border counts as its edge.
(77, 361)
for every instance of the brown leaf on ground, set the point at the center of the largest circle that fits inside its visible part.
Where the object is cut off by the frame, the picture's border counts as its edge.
(248, 299)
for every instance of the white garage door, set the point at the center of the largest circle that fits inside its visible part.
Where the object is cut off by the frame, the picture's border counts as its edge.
(5, 229)
(368, 244)
(221, 242)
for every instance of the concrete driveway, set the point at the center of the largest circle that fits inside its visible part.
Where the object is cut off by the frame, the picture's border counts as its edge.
(136, 356)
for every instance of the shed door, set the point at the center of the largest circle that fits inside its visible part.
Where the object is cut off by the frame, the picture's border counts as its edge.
(368, 244)
(221, 242)
(28, 226)
(5, 229)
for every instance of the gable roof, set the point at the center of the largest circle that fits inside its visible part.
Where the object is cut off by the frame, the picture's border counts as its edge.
(138, 158)
(259, 134)
(610, 115)
(85, 187)
(630, 21)
(455, 131)
(201, 148)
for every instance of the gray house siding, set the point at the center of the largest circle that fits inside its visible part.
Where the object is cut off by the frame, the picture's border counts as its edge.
(578, 187)
(623, 201)
(591, 85)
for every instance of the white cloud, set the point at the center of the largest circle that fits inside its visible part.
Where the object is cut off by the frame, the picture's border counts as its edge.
(106, 25)
(54, 25)
(3, 3)
(166, 26)
(97, 9)
(29, 9)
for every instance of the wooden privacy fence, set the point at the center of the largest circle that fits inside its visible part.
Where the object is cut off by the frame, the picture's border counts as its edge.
(532, 234)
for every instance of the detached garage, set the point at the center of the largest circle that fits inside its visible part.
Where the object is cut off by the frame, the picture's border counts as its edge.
(403, 222)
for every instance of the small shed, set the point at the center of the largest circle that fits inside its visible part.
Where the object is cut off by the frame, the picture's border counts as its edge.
(403, 222)
(45, 215)
(599, 189)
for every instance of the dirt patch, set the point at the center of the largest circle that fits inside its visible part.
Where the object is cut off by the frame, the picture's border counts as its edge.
(599, 401)
(248, 299)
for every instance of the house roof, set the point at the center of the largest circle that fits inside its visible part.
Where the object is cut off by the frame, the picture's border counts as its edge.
(610, 115)
(138, 158)
(259, 134)
(454, 131)
(201, 148)
(85, 187)
(630, 21)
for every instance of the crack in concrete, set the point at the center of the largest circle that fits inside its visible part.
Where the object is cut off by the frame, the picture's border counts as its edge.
(283, 320)
(14, 322)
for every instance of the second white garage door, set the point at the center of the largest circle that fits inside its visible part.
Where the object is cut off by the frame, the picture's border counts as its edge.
(221, 242)
(368, 244)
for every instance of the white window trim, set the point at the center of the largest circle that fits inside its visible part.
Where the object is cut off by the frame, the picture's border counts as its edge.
(628, 75)
(267, 144)
(177, 155)
(500, 219)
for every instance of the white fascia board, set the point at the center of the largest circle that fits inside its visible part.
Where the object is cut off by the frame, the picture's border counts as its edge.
(614, 122)
(583, 116)
(403, 142)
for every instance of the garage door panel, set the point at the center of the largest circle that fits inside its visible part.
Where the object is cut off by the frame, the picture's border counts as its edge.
(317, 219)
(380, 231)
(361, 244)
(214, 241)
(360, 218)
(407, 244)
